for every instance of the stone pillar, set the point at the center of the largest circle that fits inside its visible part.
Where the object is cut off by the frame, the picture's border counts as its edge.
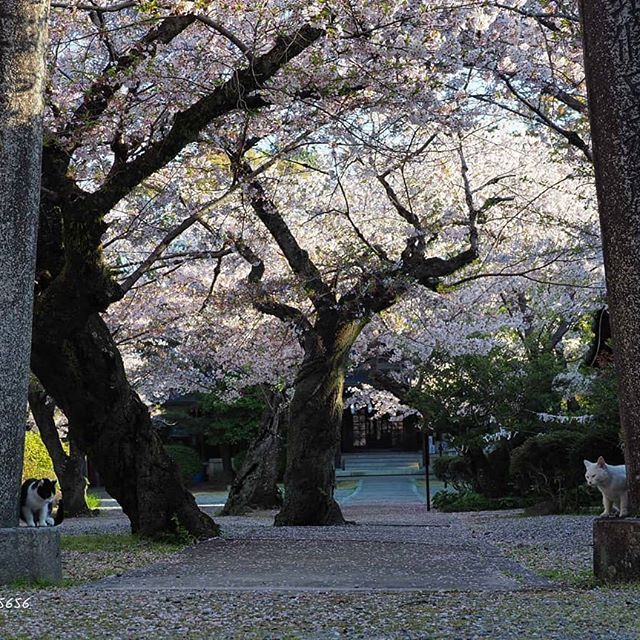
(23, 31)
(30, 553)
(612, 63)
(616, 549)
(22, 35)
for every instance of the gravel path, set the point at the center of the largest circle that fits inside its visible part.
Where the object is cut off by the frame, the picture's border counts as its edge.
(557, 545)
(548, 544)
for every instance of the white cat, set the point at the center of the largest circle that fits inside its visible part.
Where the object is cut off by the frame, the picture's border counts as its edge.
(612, 482)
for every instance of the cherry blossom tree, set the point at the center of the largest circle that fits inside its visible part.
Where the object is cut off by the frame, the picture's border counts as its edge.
(533, 252)
(539, 276)
(120, 114)
(525, 57)
(149, 107)
(115, 120)
(370, 273)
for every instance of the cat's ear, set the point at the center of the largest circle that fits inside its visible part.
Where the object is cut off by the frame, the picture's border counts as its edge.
(587, 463)
(601, 462)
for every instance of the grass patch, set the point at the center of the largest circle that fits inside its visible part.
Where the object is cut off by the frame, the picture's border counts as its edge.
(91, 557)
(93, 502)
(451, 501)
(573, 572)
(41, 583)
(578, 579)
(116, 542)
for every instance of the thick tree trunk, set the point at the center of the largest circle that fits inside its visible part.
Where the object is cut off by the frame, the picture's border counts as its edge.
(313, 435)
(312, 442)
(612, 62)
(23, 37)
(74, 482)
(69, 467)
(255, 486)
(84, 373)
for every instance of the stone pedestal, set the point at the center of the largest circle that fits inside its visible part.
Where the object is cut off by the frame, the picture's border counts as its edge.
(30, 553)
(616, 549)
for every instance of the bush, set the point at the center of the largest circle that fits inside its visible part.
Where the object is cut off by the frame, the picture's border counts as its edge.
(440, 467)
(542, 465)
(448, 501)
(598, 442)
(550, 465)
(484, 472)
(37, 463)
(187, 459)
(453, 470)
(489, 470)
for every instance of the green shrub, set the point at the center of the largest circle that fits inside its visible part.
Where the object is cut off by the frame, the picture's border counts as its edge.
(485, 471)
(444, 499)
(598, 442)
(187, 459)
(453, 470)
(37, 463)
(440, 467)
(488, 469)
(449, 501)
(93, 502)
(542, 465)
(550, 465)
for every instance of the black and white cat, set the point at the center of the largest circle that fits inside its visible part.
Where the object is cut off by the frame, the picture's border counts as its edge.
(36, 503)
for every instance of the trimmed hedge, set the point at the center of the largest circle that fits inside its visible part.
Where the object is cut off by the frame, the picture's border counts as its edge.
(453, 470)
(545, 462)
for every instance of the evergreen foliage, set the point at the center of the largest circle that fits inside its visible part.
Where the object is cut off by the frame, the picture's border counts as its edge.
(187, 459)
(491, 406)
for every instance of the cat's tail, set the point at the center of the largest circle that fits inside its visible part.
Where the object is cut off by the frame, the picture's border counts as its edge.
(59, 514)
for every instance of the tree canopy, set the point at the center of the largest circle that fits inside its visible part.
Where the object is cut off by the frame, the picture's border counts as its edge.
(276, 193)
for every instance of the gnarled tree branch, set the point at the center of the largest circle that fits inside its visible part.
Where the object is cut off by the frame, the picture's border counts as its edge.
(315, 287)
(263, 301)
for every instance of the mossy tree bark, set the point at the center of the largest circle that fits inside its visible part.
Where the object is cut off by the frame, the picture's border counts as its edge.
(256, 483)
(612, 62)
(69, 467)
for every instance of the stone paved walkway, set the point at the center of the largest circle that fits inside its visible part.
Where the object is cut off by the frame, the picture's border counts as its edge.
(384, 490)
(405, 550)
(365, 490)
(401, 574)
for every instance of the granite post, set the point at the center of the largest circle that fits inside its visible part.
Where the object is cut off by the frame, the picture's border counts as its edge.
(616, 549)
(611, 32)
(23, 39)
